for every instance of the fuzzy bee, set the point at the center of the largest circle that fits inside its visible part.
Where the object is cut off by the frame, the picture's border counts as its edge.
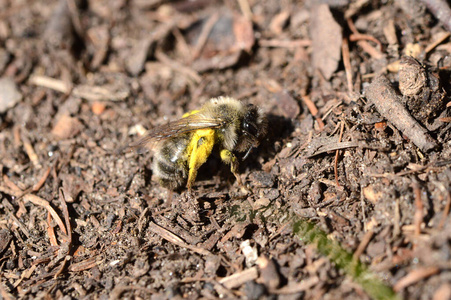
(182, 146)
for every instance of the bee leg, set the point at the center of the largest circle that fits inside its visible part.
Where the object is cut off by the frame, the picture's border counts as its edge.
(229, 158)
(202, 145)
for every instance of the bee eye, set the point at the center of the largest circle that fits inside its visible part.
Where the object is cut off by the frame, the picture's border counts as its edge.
(250, 128)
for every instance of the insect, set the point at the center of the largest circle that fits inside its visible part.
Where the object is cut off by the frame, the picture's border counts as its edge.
(182, 146)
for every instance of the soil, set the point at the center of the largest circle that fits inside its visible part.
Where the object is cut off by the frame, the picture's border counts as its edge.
(356, 95)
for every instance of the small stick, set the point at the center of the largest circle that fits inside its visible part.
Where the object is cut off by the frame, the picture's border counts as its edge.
(202, 40)
(178, 67)
(415, 276)
(238, 279)
(388, 103)
(360, 37)
(313, 110)
(37, 201)
(336, 154)
(363, 43)
(418, 216)
(347, 63)
(169, 236)
(11, 185)
(21, 226)
(75, 17)
(334, 146)
(363, 244)
(62, 198)
(51, 83)
(30, 151)
(41, 182)
(277, 43)
(437, 42)
(84, 265)
(245, 9)
(445, 211)
(51, 231)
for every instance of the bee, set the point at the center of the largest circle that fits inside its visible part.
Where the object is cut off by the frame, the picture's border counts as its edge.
(183, 146)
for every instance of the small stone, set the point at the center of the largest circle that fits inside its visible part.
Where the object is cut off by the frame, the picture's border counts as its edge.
(98, 107)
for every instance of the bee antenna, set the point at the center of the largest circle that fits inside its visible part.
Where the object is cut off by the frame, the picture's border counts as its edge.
(248, 152)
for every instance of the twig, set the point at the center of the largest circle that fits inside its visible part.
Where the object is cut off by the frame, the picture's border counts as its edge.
(178, 67)
(334, 146)
(38, 201)
(347, 63)
(11, 185)
(337, 152)
(387, 102)
(41, 182)
(84, 265)
(51, 83)
(363, 244)
(182, 43)
(25, 275)
(21, 226)
(418, 216)
(373, 52)
(245, 8)
(203, 37)
(30, 151)
(277, 43)
(75, 18)
(61, 269)
(359, 37)
(313, 110)
(437, 42)
(169, 236)
(238, 279)
(51, 231)
(415, 276)
(445, 211)
(66, 216)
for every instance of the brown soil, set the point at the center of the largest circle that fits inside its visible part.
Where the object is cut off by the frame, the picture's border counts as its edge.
(356, 95)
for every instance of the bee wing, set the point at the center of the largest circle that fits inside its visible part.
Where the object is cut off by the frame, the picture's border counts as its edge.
(184, 125)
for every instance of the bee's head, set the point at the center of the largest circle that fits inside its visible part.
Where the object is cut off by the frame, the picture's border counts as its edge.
(253, 128)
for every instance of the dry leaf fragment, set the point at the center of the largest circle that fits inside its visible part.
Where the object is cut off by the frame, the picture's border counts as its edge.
(9, 94)
(326, 36)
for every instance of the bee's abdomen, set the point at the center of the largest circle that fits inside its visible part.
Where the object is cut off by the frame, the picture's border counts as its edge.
(170, 164)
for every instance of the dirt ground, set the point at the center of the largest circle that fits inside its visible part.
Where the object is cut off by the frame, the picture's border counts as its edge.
(356, 95)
